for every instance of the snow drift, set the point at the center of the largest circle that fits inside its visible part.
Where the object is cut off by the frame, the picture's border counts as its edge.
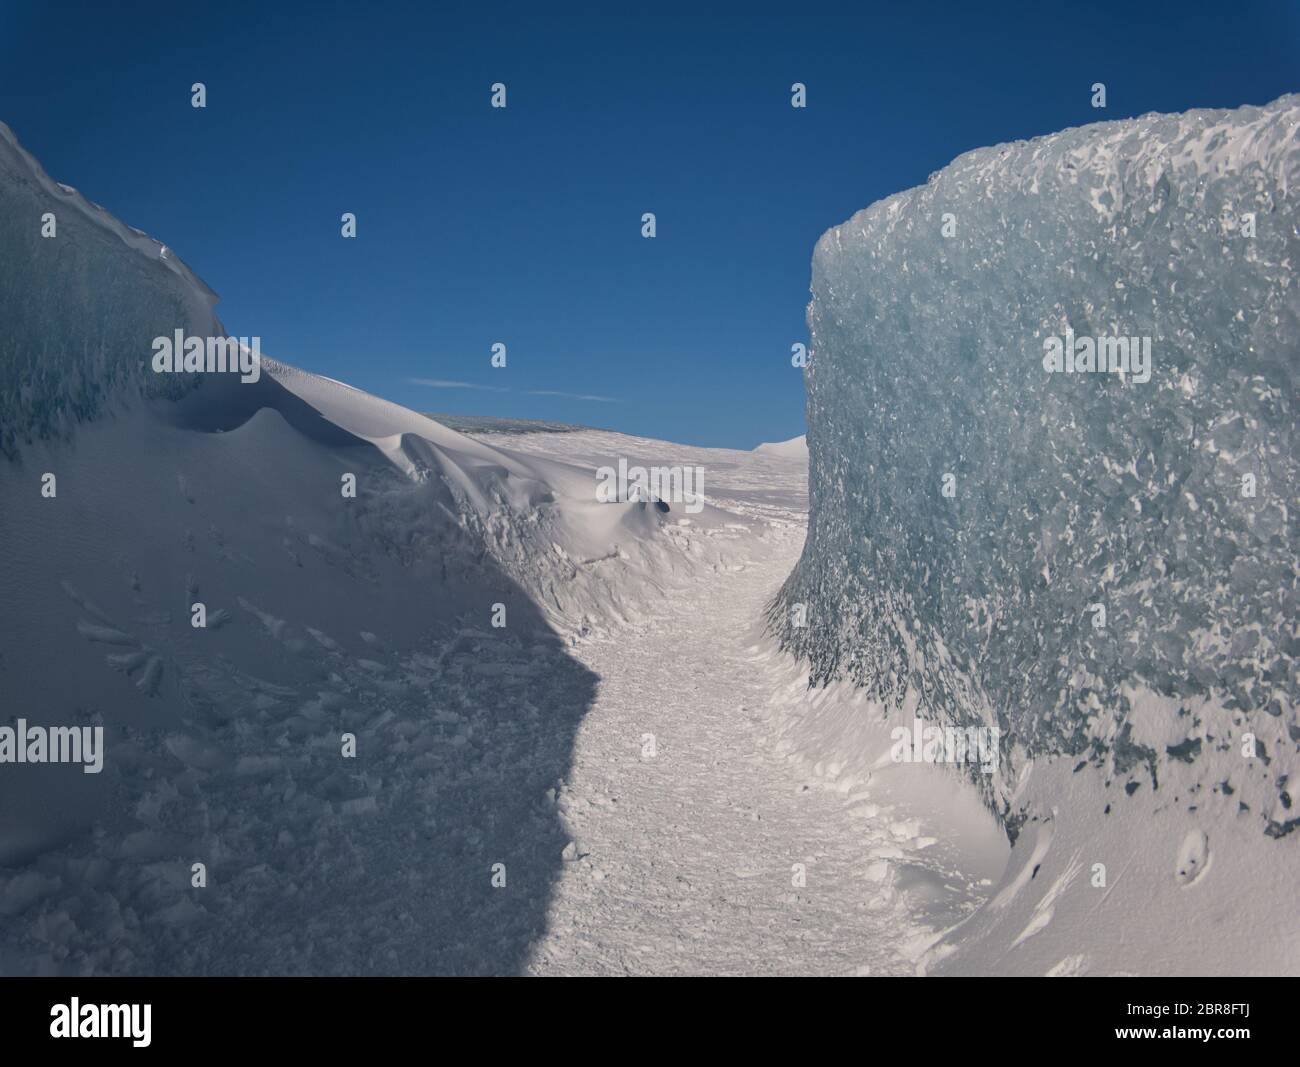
(423, 620)
(1097, 563)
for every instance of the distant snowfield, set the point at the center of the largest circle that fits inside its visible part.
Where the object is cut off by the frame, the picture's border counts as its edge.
(795, 448)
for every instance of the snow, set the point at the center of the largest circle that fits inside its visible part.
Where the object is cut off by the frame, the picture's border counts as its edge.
(476, 747)
(332, 620)
(794, 448)
(686, 858)
(680, 857)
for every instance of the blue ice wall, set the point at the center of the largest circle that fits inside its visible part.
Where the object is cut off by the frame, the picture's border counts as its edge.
(974, 507)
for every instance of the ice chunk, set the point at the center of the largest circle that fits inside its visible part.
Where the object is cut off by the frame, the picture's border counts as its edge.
(999, 526)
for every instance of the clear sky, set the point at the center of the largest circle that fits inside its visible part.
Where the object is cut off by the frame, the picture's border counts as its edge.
(523, 225)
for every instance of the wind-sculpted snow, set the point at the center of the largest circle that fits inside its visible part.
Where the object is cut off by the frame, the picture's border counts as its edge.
(375, 718)
(973, 515)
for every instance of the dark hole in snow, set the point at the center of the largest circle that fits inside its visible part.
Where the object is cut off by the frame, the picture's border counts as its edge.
(1280, 829)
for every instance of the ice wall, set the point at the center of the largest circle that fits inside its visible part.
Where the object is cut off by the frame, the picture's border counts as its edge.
(105, 291)
(972, 513)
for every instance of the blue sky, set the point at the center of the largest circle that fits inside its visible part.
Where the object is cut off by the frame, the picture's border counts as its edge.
(523, 226)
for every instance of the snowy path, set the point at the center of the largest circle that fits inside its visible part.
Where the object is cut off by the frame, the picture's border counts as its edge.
(685, 860)
(318, 859)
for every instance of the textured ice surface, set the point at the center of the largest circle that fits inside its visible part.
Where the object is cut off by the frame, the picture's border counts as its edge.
(61, 346)
(1070, 490)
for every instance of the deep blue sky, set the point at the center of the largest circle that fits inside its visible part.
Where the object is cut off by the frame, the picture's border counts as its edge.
(523, 226)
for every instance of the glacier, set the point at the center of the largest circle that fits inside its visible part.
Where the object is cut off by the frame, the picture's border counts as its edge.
(929, 317)
(1008, 530)
(1012, 526)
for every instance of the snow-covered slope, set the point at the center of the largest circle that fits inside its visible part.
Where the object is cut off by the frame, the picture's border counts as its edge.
(332, 620)
(540, 518)
(1101, 566)
(795, 448)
